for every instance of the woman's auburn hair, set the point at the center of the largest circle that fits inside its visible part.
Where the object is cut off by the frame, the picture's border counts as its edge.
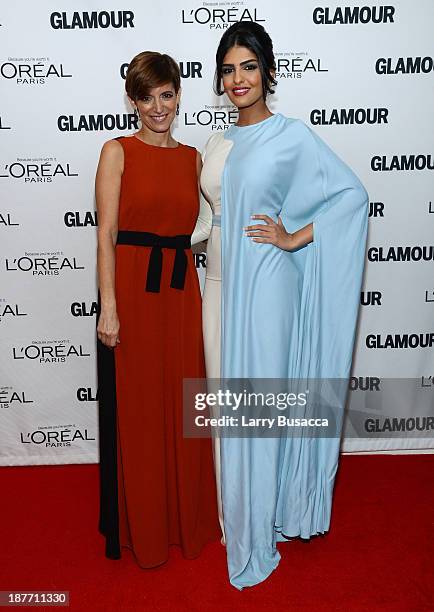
(151, 69)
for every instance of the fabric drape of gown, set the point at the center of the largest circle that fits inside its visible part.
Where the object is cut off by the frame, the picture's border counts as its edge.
(270, 313)
(157, 487)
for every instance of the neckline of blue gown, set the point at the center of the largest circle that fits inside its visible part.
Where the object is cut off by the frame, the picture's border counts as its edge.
(255, 125)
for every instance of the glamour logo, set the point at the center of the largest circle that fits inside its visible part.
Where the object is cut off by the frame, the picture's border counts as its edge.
(400, 341)
(80, 218)
(43, 264)
(85, 394)
(49, 351)
(290, 65)
(365, 383)
(32, 71)
(217, 118)
(93, 20)
(3, 127)
(188, 70)
(401, 253)
(404, 65)
(7, 220)
(55, 439)
(81, 309)
(380, 163)
(93, 123)
(40, 170)
(376, 209)
(343, 15)
(10, 310)
(418, 423)
(349, 116)
(9, 398)
(219, 18)
(370, 298)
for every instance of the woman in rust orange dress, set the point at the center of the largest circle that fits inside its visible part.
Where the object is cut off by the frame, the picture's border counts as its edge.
(157, 487)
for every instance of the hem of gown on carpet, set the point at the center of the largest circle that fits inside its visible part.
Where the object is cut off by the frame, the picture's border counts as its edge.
(161, 563)
(240, 587)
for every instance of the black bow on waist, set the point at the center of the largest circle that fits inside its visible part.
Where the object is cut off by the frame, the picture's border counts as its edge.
(146, 239)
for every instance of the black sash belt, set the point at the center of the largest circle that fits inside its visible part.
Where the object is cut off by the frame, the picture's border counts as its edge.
(180, 243)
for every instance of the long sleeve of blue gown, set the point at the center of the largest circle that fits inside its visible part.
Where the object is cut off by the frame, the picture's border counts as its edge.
(335, 265)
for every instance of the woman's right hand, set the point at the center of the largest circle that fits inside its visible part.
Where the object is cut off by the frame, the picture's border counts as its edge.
(108, 328)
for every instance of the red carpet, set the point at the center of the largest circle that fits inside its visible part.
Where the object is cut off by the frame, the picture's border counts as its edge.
(377, 556)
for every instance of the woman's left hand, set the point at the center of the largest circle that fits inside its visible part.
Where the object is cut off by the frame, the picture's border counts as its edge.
(271, 233)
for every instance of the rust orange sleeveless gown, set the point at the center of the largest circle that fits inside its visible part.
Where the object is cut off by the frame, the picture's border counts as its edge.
(157, 487)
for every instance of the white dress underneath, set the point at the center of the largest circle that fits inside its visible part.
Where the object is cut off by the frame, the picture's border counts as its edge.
(214, 158)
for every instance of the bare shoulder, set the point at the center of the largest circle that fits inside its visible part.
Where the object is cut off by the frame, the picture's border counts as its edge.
(112, 148)
(112, 155)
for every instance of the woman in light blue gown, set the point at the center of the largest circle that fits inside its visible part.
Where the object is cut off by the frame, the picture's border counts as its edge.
(285, 264)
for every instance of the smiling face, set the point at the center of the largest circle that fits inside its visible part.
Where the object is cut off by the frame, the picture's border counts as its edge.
(158, 109)
(241, 77)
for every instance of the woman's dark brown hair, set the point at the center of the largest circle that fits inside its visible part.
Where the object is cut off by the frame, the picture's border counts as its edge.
(151, 69)
(251, 35)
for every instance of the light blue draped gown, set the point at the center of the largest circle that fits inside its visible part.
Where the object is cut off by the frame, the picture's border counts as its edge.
(283, 315)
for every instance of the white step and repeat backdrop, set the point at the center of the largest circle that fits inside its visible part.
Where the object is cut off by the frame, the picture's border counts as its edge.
(360, 75)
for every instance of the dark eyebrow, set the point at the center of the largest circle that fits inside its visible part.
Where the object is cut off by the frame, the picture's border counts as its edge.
(242, 63)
